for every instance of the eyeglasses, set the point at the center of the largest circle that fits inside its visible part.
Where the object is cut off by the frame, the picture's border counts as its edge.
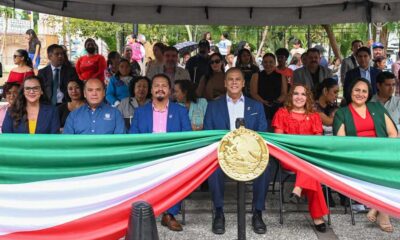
(15, 56)
(218, 61)
(33, 89)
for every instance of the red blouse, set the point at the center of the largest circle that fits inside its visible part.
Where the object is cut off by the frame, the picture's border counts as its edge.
(91, 67)
(297, 123)
(365, 127)
(19, 77)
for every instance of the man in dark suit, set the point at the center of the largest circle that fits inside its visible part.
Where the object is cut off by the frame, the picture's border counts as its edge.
(160, 116)
(56, 75)
(222, 114)
(364, 70)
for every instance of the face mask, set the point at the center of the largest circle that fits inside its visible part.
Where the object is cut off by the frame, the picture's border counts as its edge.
(91, 50)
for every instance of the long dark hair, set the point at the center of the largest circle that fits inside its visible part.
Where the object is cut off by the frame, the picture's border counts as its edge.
(327, 84)
(112, 55)
(118, 74)
(80, 85)
(18, 109)
(32, 33)
(210, 72)
(188, 88)
(239, 57)
(25, 55)
(347, 94)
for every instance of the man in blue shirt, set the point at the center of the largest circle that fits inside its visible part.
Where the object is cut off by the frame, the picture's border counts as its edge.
(95, 117)
(222, 114)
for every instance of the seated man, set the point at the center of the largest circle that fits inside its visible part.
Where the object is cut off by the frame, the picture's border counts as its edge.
(95, 117)
(222, 114)
(160, 116)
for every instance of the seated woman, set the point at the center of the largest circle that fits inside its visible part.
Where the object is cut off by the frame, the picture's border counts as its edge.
(356, 120)
(298, 117)
(10, 92)
(75, 100)
(185, 94)
(23, 69)
(246, 63)
(212, 84)
(117, 88)
(139, 90)
(326, 103)
(31, 111)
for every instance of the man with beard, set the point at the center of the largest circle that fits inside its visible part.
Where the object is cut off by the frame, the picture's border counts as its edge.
(198, 65)
(170, 67)
(91, 65)
(312, 74)
(160, 116)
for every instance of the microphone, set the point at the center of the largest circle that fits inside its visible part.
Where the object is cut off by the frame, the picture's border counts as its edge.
(239, 122)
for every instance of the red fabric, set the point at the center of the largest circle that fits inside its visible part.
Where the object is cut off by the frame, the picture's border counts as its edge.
(297, 123)
(91, 67)
(19, 77)
(364, 126)
(287, 72)
(302, 124)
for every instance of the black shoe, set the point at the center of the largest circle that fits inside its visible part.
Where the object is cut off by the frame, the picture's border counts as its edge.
(218, 226)
(258, 224)
(320, 227)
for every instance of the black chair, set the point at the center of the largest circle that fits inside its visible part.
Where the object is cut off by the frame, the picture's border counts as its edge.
(280, 171)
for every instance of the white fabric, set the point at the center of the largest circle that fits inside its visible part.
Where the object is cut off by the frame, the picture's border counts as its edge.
(235, 110)
(226, 12)
(43, 204)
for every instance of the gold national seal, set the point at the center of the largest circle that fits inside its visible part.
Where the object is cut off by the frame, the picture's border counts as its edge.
(243, 154)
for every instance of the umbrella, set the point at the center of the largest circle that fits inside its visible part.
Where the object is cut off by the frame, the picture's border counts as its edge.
(188, 46)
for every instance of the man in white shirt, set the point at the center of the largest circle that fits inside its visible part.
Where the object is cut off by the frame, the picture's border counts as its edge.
(224, 46)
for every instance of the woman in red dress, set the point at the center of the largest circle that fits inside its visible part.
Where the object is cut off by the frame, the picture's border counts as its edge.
(363, 118)
(23, 69)
(91, 65)
(298, 117)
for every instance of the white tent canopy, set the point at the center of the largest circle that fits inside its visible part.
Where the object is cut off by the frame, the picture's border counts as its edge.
(221, 12)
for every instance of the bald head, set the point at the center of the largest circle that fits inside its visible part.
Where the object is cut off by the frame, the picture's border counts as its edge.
(94, 92)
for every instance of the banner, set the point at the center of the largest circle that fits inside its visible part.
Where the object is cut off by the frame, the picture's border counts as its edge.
(82, 187)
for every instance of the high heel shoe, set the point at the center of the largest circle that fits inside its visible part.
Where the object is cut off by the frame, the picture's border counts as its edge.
(320, 227)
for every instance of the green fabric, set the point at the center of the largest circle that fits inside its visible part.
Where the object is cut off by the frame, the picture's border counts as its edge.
(27, 158)
(344, 116)
(375, 160)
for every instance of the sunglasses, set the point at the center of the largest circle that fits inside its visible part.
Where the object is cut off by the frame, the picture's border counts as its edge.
(218, 61)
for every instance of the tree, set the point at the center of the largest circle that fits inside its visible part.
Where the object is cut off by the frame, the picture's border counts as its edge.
(332, 40)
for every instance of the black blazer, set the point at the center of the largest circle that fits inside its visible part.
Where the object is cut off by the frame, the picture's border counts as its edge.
(355, 73)
(67, 73)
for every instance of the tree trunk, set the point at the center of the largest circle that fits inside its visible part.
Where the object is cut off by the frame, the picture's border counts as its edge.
(189, 32)
(263, 37)
(384, 36)
(332, 40)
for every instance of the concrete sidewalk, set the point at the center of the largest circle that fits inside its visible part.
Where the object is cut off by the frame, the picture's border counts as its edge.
(297, 222)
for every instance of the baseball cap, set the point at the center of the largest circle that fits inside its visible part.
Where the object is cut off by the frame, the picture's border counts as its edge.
(377, 45)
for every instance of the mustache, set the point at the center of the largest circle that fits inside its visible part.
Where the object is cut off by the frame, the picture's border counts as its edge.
(160, 91)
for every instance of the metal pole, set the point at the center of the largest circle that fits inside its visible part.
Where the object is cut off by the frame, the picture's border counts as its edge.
(241, 207)
(135, 29)
(241, 211)
(370, 34)
(308, 37)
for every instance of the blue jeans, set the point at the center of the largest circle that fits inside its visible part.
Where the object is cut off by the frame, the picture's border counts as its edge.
(37, 62)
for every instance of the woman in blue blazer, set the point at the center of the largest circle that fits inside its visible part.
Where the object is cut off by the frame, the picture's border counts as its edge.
(30, 112)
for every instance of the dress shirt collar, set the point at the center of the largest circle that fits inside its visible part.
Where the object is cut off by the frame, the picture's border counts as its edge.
(53, 67)
(88, 108)
(162, 110)
(229, 99)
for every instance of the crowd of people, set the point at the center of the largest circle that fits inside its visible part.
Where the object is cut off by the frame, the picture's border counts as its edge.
(216, 87)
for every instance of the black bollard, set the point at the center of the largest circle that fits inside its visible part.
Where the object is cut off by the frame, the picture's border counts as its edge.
(142, 223)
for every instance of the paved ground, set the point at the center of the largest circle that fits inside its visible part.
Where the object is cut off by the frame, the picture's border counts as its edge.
(297, 223)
